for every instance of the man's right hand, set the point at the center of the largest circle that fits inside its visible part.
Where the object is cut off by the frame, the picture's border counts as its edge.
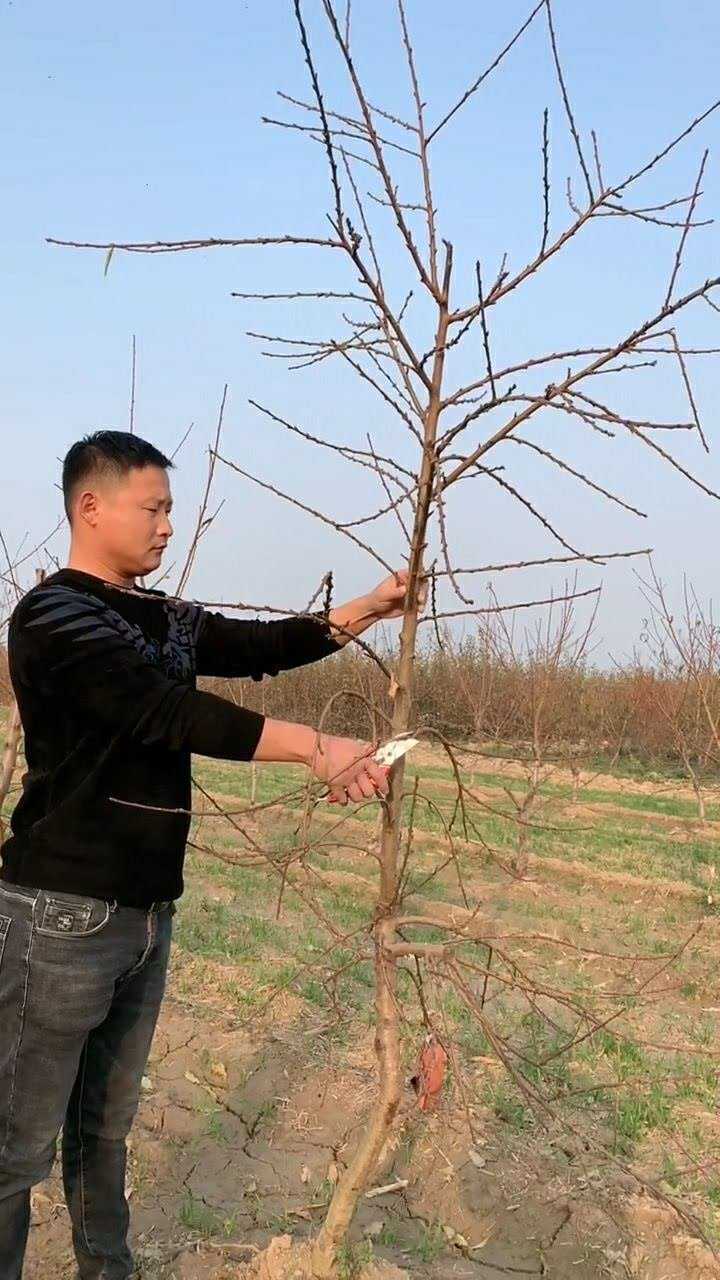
(349, 769)
(345, 764)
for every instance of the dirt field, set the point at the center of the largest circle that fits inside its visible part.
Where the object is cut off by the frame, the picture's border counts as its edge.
(262, 1068)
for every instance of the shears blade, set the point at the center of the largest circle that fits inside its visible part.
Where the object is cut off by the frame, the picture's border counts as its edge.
(393, 750)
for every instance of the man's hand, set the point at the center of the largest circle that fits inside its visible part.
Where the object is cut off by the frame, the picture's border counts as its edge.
(388, 598)
(386, 601)
(349, 769)
(345, 764)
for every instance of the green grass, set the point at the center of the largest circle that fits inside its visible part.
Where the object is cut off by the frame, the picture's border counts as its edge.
(431, 1244)
(197, 1217)
(638, 1113)
(275, 780)
(214, 929)
(508, 1108)
(673, 806)
(613, 842)
(216, 1129)
(469, 1036)
(352, 1258)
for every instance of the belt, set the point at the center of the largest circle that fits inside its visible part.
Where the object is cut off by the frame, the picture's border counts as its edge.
(28, 892)
(153, 907)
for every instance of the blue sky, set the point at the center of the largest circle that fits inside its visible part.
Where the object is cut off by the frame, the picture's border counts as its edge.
(143, 122)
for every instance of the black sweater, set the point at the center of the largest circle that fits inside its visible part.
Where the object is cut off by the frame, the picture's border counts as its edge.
(105, 682)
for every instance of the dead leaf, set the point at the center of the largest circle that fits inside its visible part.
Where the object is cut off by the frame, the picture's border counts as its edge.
(219, 1071)
(428, 1081)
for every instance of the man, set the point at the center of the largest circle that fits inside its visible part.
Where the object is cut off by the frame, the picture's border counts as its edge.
(104, 674)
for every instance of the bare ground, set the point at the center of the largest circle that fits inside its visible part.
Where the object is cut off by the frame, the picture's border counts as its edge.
(240, 1136)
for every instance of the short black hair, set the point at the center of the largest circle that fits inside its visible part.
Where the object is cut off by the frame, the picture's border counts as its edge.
(109, 452)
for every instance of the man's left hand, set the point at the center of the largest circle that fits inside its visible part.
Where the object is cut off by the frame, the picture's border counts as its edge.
(388, 598)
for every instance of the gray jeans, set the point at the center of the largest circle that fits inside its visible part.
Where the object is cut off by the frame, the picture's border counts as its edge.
(81, 983)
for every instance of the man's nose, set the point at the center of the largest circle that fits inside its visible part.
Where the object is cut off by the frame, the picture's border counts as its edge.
(166, 528)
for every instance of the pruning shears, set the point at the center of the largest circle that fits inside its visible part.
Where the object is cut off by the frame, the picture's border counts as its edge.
(393, 750)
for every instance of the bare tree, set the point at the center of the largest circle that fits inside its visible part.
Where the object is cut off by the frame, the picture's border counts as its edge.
(402, 348)
(685, 658)
(549, 656)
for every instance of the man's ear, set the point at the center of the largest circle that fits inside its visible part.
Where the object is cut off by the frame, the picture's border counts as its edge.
(86, 508)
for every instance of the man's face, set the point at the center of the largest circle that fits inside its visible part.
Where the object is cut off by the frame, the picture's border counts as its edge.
(129, 519)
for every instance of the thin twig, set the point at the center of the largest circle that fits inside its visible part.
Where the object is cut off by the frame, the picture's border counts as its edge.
(596, 558)
(566, 100)
(686, 227)
(688, 388)
(484, 75)
(202, 521)
(185, 246)
(321, 108)
(579, 475)
(546, 185)
(302, 506)
(518, 604)
(131, 427)
(486, 336)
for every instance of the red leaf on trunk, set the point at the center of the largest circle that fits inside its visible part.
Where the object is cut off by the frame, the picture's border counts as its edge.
(428, 1081)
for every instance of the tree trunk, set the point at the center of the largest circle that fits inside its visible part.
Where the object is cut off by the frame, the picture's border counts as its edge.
(387, 1041)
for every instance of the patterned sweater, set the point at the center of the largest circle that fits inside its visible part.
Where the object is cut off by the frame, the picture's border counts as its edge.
(105, 679)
